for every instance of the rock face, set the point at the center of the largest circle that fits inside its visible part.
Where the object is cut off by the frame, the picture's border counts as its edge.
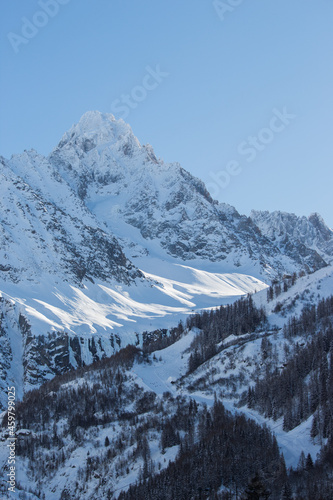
(28, 359)
(89, 216)
(306, 236)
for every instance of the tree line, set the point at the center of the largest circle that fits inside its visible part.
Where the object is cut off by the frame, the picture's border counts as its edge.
(238, 318)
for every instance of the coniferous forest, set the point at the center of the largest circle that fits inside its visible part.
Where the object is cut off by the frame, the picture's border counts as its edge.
(212, 452)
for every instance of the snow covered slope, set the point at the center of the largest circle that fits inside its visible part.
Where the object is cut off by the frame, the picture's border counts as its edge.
(100, 427)
(102, 240)
(73, 325)
(41, 237)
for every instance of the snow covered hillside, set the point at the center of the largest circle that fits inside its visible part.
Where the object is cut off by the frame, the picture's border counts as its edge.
(102, 241)
(142, 304)
(125, 426)
(75, 325)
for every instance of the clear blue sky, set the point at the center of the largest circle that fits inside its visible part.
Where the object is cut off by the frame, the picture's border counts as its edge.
(226, 75)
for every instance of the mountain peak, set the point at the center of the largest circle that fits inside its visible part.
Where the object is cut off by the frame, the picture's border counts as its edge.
(96, 129)
(316, 219)
(94, 120)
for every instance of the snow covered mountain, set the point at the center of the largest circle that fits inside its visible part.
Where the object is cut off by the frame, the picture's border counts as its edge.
(105, 245)
(158, 207)
(294, 234)
(102, 241)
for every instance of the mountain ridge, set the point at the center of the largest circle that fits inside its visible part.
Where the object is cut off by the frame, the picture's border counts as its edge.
(138, 304)
(103, 240)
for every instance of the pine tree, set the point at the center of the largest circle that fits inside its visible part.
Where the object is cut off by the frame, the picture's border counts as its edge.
(256, 490)
(286, 492)
(288, 418)
(250, 398)
(309, 462)
(314, 427)
(270, 294)
(282, 472)
(301, 462)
